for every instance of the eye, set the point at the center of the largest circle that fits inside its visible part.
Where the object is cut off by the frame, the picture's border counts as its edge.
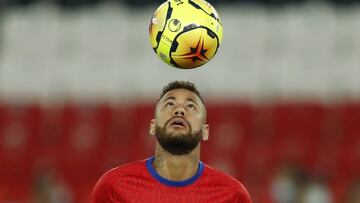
(191, 106)
(169, 104)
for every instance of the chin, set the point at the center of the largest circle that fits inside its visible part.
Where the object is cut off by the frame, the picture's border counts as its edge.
(177, 133)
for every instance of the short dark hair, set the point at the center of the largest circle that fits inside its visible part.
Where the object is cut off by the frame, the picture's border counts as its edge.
(181, 85)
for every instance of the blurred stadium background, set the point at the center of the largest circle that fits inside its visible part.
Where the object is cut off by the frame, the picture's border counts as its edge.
(78, 83)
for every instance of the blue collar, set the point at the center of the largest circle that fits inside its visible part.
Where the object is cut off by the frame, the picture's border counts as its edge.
(167, 182)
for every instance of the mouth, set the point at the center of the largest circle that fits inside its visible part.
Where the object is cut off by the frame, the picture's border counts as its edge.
(178, 123)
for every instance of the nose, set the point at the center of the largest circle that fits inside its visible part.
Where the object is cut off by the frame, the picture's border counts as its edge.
(179, 111)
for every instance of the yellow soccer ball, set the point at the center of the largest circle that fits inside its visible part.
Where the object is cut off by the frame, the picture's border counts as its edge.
(185, 33)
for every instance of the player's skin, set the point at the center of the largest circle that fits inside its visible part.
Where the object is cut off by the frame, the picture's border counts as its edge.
(185, 106)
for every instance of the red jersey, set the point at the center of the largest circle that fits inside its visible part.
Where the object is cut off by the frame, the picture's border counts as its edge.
(139, 182)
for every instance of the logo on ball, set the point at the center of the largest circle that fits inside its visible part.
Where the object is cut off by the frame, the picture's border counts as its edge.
(174, 25)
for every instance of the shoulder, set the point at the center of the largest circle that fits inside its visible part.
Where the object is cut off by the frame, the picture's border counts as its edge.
(123, 170)
(113, 179)
(221, 177)
(232, 185)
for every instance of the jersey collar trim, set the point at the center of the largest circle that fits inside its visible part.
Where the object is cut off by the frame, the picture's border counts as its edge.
(167, 182)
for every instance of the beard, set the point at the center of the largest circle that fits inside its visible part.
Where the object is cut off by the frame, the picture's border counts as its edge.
(177, 144)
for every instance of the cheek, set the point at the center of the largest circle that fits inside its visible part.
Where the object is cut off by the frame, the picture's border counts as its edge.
(198, 117)
(197, 121)
(161, 119)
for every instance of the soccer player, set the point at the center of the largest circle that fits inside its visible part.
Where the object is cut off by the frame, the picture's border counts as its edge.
(175, 173)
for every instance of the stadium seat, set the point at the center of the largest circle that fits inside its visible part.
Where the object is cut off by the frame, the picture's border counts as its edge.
(15, 192)
(331, 139)
(120, 127)
(297, 127)
(83, 134)
(350, 150)
(18, 127)
(229, 125)
(142, 141)
(259, 148)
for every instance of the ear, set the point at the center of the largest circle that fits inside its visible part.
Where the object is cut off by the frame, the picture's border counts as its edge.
(205, 129)
(152, 126)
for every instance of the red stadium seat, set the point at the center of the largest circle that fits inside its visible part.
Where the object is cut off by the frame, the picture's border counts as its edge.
(119, 137)
(50, 140)
(259, 149)
(350, 150)
(18, 127)
(15, 192)
(331, 140)
(297, 127)
(229, 131)
(143, 142)
(350, 157)
(84, 132)
(120, 128)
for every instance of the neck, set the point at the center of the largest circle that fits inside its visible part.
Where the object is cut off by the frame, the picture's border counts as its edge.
(176, 167)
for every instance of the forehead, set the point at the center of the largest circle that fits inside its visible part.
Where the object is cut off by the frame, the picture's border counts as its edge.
(181, 94)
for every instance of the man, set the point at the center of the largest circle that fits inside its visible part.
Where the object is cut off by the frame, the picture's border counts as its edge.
(175, 173)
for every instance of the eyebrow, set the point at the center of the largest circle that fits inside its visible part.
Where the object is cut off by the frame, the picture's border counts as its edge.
(173, 98)
(192, 100)
(188, 99)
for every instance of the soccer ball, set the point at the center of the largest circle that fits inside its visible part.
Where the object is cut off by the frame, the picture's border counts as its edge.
(185, 33)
